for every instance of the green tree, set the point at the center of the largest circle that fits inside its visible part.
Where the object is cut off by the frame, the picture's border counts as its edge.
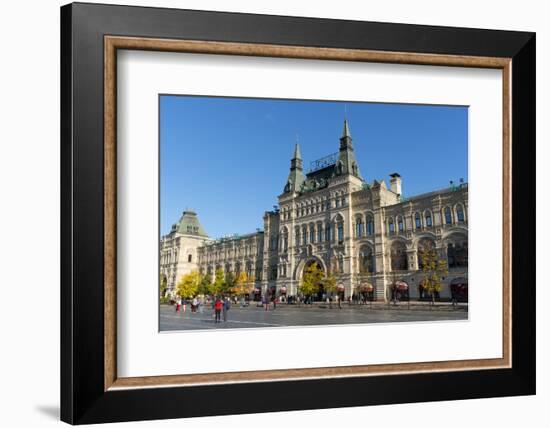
(311, 280)
(205, 284)
(329, 283)
(229, 283)
(219, 283)
(188, 285)
(433, 270)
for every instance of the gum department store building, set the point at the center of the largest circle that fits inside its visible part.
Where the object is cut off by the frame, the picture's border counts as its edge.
(361, 232)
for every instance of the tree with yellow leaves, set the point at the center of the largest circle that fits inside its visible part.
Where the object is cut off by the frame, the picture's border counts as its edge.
(188, 285)
(311, 280)
(433, 269)
(243, 285)
(329, 283)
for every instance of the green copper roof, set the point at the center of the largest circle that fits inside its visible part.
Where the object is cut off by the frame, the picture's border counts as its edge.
(189, 224)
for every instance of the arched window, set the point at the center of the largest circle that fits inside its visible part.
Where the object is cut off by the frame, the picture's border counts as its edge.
(370, 225)
(359, 227)
(284, 240)
(304, 235)
(340, 232)
(391, 226)
(448, 216)
(319, 232)
(297, 236)
(366, 260)
(425, 251)
(398, 255)
(328, 233)
(311, 234)
(417, 221)
(428, 217)
(400, 226)
(460, 213)
(189, 257)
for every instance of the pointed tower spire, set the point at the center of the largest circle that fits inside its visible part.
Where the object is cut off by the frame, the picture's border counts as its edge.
(297, 152)
(347, 164)
(345, 132)
(296, 175)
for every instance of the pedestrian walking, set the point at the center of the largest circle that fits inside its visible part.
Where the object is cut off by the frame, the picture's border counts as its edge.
(265, 302)
(184, 304)
(194, 305)
(177, 305)
(201, 305)
(225, 308)
(329, 303)
(217, 310)
(274, 303)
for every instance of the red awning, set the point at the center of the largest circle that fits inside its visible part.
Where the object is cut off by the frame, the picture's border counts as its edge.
(401, 285)
(365, 286)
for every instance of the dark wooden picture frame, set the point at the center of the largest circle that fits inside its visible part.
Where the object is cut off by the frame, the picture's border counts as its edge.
(90, 36)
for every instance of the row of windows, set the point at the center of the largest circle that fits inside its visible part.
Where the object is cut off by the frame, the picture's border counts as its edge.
(170, 257)
(228, 253)
(457, 254)
(319, 234)
(364, 230)
(426, 220)
(250, 271)
(314, 207)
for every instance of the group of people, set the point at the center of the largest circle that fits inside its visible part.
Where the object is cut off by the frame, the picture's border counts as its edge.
(220, 305)
(196, 305)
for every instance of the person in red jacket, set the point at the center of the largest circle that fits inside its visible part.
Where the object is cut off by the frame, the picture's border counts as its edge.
(218, 310)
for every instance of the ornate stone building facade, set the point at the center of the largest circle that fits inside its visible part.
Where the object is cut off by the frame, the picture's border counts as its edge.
(178, 249)
(361, 232)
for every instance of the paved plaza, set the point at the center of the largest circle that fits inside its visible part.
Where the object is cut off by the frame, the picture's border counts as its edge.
(307, 315)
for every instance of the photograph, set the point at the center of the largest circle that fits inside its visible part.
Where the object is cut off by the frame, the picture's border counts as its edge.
(269, 212)
(293, 213)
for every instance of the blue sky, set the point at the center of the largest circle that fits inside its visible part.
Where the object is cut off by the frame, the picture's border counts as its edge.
(228, 158)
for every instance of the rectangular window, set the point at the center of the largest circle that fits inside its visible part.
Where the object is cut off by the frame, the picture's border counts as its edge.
(312, 235)
(319, 234)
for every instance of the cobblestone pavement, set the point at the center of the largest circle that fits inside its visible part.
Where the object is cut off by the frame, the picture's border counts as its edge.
(291, 315)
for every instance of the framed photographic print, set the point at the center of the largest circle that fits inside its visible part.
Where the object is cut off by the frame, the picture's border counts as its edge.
(269, 208)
